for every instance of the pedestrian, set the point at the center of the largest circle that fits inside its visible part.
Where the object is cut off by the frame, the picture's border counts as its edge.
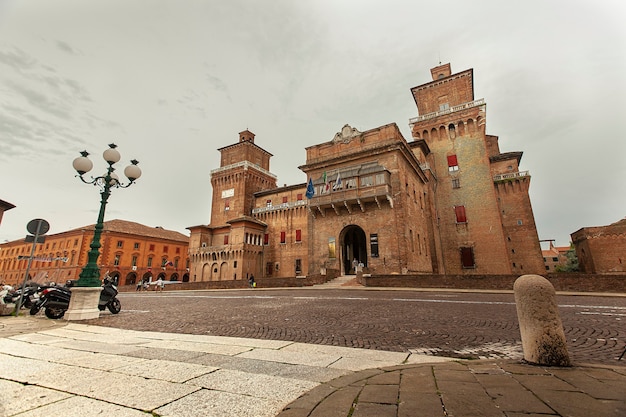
(139, 285)
(251, 281)
(159, 284)
(355, 263)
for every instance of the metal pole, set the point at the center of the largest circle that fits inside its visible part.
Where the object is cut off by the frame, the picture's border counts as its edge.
(30, 260)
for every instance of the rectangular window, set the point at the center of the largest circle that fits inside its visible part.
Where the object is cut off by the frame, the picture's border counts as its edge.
(152, 247)
(226, 240)
(165, 249)
(134, 261)
(120, 244)
(269, 269)
(266, 239)
(136, 246)
(177, 250)
(453, 164)
(283, 237)
(367, 181)
(75, 242)
(555, 259)
(456, 183)
(298, 235)
(149, 262)
(298, 266)
(380, 179)
(116, 260)
(459, 212)
(374, 245)
(299, 198)
(284, 199)
(467, 258)
(226, 205)
(332, 253)
(234, 264)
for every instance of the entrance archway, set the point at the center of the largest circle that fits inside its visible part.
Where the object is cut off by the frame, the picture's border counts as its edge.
(353, 246)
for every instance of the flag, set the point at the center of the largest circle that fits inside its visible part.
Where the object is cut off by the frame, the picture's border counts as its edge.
(168, 263)
(338, 183)
(310, 190)
(326, 183)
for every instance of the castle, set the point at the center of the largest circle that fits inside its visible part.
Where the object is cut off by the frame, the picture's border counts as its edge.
(445, 202)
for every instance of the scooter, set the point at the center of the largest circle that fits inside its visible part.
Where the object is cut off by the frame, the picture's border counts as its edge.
(56, 300)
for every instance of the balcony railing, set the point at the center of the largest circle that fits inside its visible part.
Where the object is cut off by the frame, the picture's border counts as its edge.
(510, 176)
(245, 165)
(452, 109)
(282, 206)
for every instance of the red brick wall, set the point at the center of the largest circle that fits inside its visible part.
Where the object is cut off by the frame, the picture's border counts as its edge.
(561, 282)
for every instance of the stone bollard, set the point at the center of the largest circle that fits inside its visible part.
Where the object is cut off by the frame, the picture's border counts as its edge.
(543, 339)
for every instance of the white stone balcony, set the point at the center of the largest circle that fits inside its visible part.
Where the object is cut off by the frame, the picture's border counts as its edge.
(452, 109)
(510, 176)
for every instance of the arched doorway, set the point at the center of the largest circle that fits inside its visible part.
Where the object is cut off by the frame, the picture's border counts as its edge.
(353, 246)
(131, 278)
(115, 276)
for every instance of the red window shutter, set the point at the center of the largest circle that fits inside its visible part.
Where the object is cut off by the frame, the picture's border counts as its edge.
(285, 199)
(266, 239)
(298, 235)
(459, 211)
(300, 197)
(282, 237)
(452, 162)
(226, 240)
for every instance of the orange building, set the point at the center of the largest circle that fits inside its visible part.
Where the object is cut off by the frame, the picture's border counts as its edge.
(555, 257)
(129, 252)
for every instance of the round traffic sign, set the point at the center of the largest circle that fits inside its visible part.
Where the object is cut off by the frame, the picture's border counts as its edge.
(38, 227)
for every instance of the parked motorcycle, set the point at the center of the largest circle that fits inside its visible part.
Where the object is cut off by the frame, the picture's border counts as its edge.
(56, 300)
(31, 295)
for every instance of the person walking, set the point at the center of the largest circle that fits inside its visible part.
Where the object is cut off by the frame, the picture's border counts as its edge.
(159, 284)
(251, 281)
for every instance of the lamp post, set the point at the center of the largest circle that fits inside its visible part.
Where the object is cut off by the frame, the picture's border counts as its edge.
(85, 295)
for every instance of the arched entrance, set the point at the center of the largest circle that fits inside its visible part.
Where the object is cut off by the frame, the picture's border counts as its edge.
(353, 246)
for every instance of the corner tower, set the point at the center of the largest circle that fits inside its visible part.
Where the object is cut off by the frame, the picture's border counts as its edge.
(484, 216)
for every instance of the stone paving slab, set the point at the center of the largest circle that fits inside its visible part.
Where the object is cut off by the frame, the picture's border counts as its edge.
(197, 347)
(83, 407)
(255, 385)
(207, 403)
(16, 398)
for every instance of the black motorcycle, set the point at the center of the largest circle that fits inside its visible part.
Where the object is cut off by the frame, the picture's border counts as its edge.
(56, 300)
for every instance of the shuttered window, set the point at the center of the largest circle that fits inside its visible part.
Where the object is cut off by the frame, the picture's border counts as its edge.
(453, 164)
(459, 212)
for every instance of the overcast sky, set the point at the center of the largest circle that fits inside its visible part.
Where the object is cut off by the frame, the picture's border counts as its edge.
(170, 82)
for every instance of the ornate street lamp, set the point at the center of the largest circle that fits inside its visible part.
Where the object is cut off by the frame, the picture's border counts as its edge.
(90, 275)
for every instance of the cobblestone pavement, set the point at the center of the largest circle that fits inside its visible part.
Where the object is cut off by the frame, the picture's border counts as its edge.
(462, 325)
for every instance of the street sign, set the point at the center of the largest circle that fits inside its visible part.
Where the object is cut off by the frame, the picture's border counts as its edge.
(38, 227)
(31, 239)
